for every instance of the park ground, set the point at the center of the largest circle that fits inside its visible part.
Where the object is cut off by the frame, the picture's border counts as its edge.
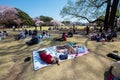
(92, 66)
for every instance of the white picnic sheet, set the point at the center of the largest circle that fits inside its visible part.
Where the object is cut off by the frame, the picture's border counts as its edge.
(38, 63)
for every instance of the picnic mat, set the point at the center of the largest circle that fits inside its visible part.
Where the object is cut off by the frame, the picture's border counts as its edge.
(38, 63)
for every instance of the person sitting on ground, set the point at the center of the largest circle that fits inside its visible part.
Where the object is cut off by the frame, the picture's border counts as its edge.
(49, 28)
(116, 69)
(1, 34)
(103, 35)
(109, 37)
(94, 36)
(113, 34)
(43, 33)
(63, 38)
(30, 32)
(33, 41)
(49, 59)
(70, 34)
(22, 35)
(19, 36)
(109, 30)
(26, 32)
(74, 31)
(35, 32)
(99, 38)
(46, 35)
(5, 33)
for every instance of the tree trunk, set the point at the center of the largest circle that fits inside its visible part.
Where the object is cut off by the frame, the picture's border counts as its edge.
(113, 13)
(35, 27)
(106, 20)
(40, 27)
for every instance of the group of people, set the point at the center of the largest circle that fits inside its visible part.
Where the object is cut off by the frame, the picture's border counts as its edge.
(45, 34)
(49, 59)
(34, 40)
(106, 36)
(3, 34)
(37, 38)
(24, 34)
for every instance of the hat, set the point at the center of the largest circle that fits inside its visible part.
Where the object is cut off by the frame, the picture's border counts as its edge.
(41, 50)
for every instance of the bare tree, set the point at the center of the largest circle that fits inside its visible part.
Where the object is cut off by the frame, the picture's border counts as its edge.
(91, 10)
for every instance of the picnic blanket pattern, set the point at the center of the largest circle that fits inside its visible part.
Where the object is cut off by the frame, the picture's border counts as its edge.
(38, 63)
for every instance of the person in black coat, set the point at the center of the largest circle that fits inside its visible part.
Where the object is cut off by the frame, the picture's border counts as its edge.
(87, 30)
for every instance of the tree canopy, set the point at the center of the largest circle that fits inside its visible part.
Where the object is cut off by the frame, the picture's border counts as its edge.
(13, 16)
(84, 9)
(56, 23)
(7, 15)
(24, 17)
(46, 18)
(91, 10)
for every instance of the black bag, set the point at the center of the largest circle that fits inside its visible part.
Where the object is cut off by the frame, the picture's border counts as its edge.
(113, 56)
(63, 56)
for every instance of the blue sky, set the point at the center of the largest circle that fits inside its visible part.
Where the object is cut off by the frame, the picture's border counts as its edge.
(38, 7)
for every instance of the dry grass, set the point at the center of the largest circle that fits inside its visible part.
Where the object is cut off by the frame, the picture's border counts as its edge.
(88, 67)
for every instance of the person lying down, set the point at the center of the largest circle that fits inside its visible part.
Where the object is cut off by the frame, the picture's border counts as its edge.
(76, 49)
(49, 59)
(66, 49)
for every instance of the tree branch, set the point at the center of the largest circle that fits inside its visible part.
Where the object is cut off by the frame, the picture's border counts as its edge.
(88, 19)
(97, 20)
(101, 4)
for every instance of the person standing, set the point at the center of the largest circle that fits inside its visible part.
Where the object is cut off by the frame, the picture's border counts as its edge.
(87, 30)
(13, 28)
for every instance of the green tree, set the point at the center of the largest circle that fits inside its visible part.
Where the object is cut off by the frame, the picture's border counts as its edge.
(118, 14)
(25, 18)
(46, 18)
(100, 22)
(66, 22)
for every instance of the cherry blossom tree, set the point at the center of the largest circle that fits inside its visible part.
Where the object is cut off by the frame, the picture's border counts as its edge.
(13, 16)
(39, 23)
(8, 15)
(56, 23)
